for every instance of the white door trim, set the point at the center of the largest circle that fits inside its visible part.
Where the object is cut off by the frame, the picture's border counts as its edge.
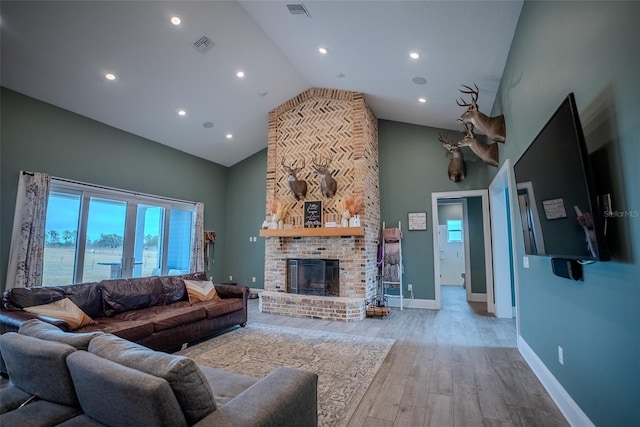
(487, 238)
(504, 181)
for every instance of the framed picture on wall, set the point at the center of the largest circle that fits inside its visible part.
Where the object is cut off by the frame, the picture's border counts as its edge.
(417, 220)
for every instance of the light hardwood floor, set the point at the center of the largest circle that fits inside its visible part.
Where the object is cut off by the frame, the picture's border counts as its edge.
(457, 366)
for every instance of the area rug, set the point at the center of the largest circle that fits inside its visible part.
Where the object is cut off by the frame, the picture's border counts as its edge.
(345, 364)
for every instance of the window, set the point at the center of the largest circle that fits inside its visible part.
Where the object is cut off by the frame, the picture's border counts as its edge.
(96, 233)
(454, 230)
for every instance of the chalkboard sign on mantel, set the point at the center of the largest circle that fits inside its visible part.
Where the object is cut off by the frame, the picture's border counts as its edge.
(313, 214)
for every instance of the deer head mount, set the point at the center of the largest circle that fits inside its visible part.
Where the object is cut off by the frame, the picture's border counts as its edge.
(487, 152)
(493, 127)
(328, 185)
(298, 186)
(457, 169)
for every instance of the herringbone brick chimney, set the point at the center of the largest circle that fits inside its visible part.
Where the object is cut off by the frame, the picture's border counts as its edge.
(337, 124)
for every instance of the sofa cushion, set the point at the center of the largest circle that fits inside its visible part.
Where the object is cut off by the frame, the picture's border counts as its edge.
(165, 316)
(200, 290)
(38, 367)
(173, 286)
(87, 296)
(39, 413)
(64, 310)
(121, 295)
(221, 307)
(11, 397)
(117, 395)
(226, 385)
(133, 330)
(185, 377)
(46, 331)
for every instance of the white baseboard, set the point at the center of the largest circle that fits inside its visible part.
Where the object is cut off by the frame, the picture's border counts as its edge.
(569, 408)
(412, 303)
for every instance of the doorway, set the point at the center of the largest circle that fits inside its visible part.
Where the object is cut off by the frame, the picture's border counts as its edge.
(484, 264)
(453, 241)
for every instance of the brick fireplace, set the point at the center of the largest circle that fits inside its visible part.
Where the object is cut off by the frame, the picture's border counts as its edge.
(339, 125)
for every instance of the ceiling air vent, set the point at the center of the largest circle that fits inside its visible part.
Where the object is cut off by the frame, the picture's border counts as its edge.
(203, 44)
(298, 9)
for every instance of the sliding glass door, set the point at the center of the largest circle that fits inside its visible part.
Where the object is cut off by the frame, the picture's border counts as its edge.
(94, 235)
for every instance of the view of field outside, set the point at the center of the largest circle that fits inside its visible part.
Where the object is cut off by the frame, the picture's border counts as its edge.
(104, 236)
(59, 262)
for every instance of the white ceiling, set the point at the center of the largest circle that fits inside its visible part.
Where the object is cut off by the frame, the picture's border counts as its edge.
(59, 52)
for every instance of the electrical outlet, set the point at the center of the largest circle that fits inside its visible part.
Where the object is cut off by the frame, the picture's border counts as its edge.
(560, 355)
(251, 238)
(231, 278)
(525, 261)
(253, 279)
(410, 287)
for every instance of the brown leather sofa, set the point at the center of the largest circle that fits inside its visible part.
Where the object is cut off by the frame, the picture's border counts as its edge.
(151, 311)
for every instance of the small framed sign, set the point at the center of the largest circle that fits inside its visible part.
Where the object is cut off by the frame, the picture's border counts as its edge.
(313, 214)
(554, 208)
(417, 220)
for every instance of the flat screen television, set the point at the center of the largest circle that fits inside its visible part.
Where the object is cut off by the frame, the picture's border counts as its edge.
(556, 193)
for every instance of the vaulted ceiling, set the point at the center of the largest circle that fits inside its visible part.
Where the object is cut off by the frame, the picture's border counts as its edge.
(61, 51)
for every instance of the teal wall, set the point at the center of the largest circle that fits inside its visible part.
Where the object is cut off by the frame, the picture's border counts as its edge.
(413, 164)
(593, 50)
(246, 198)
(40, 137)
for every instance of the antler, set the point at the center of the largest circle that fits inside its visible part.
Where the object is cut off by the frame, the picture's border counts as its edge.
(468, 127)
(474, 95)
(321, 163)
(445, 138)
(447, 143)
(291, 169)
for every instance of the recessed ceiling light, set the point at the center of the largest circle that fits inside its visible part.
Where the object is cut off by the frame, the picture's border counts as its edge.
(323, 50)
(182, 113)
(422, 100)
(414, 54)
(240, 74)
(175, 20)
(419, 80)
(110, 76)
(229, 136)
(339, 75)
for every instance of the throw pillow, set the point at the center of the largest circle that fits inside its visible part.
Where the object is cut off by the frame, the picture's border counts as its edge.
(200, 290)
(64, 310)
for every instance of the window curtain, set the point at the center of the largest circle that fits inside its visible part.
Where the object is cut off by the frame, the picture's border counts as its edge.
(197, 242)
(26, 256)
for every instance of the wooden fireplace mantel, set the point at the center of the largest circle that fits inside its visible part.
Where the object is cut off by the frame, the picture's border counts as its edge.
(313, 232)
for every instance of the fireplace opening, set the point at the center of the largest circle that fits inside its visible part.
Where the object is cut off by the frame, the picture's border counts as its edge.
(312, 276)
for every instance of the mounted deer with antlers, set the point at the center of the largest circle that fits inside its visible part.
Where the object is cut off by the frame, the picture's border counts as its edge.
(328, 185)
(298, 186)
(493, 127)
(457, 169)
(487, 152)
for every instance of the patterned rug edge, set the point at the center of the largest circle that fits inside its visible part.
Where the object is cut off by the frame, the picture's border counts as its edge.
(383, 347)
